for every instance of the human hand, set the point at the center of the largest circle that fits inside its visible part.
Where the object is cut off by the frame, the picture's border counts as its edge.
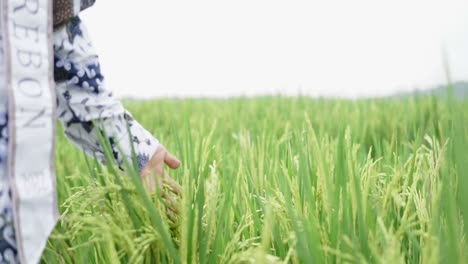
(155, 171)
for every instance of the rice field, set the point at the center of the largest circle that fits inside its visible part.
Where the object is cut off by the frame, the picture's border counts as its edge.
(278, 180)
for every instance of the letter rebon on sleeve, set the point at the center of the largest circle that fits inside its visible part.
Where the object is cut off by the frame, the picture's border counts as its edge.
(27, 27)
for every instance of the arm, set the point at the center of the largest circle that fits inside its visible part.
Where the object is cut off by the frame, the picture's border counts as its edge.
(83, 101)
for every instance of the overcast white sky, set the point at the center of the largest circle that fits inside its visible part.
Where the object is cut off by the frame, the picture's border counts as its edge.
(346, 48)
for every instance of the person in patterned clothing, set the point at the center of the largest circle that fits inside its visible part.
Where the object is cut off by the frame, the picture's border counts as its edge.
(85, 107)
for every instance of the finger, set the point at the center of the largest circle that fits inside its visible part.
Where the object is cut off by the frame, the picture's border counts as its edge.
(174, 185)
(149, 182)
(171, 161)
(151, 176)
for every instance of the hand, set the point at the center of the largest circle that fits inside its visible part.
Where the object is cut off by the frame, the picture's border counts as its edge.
(155, 171)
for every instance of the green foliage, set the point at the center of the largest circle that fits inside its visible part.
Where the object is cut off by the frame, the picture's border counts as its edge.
(278, 180)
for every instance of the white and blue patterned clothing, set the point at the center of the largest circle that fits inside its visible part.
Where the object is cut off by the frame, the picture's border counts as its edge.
(82, 99)
(85, 108)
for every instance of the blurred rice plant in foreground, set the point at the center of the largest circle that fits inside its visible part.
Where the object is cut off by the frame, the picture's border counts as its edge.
(279, 180)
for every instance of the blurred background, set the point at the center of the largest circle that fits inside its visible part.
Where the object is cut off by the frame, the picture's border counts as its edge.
(212, 48)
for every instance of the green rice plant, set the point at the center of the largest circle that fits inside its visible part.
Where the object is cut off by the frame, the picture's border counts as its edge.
(277, 180)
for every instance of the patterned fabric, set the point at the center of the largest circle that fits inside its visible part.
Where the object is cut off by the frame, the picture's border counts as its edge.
(86, 3)
(85, 108)
(8, 251)
(82, 99)
(64, 10)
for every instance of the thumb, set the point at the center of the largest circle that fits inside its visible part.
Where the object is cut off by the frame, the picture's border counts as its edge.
(171, 161)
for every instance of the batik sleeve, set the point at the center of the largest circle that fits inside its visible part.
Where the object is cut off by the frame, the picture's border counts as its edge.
(84, 105)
